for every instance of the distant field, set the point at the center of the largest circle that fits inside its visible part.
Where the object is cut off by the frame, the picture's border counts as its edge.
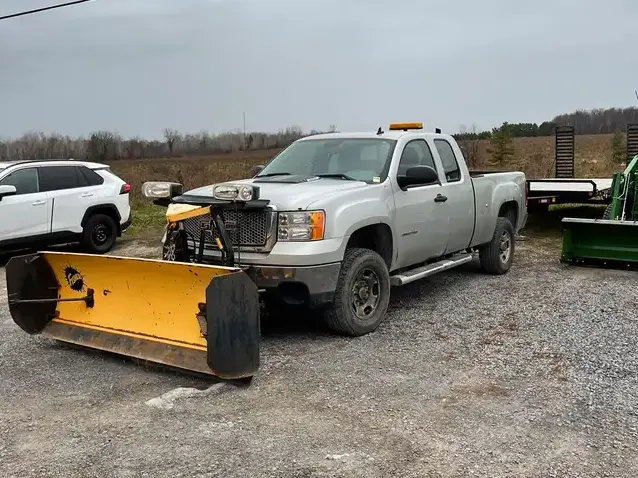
(534, 156)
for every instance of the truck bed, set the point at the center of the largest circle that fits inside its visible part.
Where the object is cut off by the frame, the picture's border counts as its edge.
(491, 189)
(541, 193)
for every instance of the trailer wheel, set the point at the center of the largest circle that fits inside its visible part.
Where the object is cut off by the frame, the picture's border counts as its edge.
(497, 255)
(362, 294)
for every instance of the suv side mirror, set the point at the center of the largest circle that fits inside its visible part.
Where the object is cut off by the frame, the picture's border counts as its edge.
(421, 175)
(7, 190)
(255, 170)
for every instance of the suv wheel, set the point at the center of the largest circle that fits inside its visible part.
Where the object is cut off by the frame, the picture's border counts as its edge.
(99, 235)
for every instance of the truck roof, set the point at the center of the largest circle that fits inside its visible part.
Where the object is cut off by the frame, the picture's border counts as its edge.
(384, 135)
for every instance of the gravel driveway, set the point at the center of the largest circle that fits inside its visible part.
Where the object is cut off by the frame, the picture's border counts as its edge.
(529, 374)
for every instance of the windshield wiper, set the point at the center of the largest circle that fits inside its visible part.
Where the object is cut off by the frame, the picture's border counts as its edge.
(335, 175)
(267, 175)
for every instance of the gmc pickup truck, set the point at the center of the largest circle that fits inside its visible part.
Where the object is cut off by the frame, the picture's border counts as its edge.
(335, 220)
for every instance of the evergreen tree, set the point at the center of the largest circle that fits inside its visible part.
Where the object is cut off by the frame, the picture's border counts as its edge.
(501, 148)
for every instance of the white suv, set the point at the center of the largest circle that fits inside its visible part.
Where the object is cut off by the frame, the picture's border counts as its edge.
(45, 203)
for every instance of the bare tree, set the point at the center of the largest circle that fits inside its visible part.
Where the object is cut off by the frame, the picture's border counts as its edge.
(171, 136)
(470, 146)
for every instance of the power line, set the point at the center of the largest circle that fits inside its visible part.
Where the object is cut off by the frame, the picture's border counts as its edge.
(38, 10)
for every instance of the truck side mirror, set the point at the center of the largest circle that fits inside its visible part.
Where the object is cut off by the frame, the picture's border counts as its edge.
(418, 175)
(255, 170)
(7, 190)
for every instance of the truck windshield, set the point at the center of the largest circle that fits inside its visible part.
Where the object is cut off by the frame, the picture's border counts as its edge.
(362, 159)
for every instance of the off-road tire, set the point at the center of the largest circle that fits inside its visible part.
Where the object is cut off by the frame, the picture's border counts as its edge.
(607, 213)
(339, 315)
(172, 249)
(99, 234)
(490, 253)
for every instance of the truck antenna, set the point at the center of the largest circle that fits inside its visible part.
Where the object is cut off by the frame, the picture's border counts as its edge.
(379, 131)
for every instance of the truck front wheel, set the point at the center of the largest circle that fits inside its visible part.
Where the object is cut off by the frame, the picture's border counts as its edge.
(362, 294)
(497, 255)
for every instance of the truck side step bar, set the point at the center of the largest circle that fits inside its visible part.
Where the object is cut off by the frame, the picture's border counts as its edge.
(430, 269)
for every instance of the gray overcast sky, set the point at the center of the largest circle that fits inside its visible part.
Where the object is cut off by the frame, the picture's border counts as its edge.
(138, 66)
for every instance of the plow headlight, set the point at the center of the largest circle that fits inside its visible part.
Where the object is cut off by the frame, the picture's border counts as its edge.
(301, 226)
(235, 192)
(161, 189)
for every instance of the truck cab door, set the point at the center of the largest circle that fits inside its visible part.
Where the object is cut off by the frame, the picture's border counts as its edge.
(421, 220)
(457, 187)
(24, 216)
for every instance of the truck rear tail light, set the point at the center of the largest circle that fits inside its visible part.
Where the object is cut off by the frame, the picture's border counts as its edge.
(126, 188)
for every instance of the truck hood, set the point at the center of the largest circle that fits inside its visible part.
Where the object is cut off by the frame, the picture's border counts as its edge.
(289, 193)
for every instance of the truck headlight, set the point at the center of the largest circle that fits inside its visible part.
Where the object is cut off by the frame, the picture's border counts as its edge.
(235, 192)
(161, 189)
(301, 226)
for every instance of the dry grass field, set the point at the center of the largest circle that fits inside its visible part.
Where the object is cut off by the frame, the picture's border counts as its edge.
(534, 156)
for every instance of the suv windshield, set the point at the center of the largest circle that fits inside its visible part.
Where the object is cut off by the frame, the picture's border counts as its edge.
(364, 159)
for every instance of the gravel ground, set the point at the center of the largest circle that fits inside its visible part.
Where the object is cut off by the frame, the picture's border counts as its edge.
(529, 374)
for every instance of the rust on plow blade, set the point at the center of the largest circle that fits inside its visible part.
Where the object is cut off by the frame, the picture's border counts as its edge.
(199, 318)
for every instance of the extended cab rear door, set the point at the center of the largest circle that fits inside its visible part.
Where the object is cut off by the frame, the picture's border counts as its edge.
(457, 188)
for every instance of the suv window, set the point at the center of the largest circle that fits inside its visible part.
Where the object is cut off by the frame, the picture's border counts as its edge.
(55, 178)
(24, 180)
(416, 153)
(448, 158)
(92, 178)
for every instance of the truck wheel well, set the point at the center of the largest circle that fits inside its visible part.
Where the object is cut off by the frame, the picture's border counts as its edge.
(509, 210)
(377, 237)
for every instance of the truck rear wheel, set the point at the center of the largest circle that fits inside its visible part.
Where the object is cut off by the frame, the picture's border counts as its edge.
(362, 294)
(497, 255)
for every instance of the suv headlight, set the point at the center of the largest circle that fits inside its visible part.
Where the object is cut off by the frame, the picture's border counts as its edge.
(235, 192)
(301, 226)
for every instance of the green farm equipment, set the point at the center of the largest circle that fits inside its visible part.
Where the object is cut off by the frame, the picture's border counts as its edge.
(614, 238)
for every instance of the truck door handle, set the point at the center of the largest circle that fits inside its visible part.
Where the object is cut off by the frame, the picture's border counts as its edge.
(87, 195)
(440, 198)
(38, 203)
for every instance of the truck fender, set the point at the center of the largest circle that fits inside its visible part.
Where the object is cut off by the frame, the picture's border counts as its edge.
(387, 251)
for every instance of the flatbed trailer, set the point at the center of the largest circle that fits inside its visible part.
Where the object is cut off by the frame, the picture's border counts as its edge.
(542, 193)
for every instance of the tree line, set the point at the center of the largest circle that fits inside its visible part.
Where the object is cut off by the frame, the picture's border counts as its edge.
(596, 121)
(109, 146)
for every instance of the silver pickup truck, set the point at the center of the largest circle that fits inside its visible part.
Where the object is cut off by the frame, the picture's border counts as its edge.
(335, 220)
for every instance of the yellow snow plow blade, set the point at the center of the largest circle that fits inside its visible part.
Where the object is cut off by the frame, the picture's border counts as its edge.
(200, 318)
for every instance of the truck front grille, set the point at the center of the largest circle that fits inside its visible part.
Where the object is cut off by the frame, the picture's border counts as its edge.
(245, 228)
